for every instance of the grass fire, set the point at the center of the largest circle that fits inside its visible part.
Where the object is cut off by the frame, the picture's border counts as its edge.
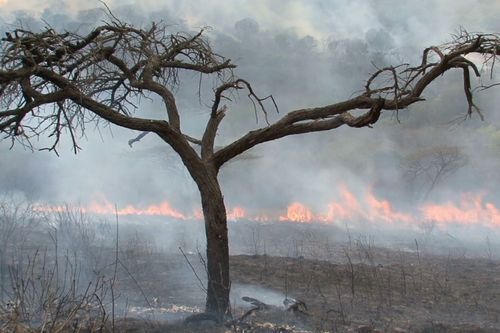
(471, 209)
(284, 166)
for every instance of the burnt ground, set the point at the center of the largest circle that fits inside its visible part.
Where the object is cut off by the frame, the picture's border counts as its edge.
(373, 289)
(424, 284)
(405, 295)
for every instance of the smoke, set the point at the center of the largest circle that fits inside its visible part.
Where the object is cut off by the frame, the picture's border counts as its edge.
(305, 53)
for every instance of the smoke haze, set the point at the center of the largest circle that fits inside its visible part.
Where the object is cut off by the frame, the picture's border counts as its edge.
(305, 53)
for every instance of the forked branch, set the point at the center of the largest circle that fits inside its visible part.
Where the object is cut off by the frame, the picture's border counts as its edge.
(390, 88)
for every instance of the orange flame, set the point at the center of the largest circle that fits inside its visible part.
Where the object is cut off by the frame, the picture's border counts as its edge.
(471, 210)
(381, 210)
(106, 208)
(237, 213)
(348, 208)
(297, 212)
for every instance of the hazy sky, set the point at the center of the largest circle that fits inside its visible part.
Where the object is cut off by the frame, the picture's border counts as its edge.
(305, 53)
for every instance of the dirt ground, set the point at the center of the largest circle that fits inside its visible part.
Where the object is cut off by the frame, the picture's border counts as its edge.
(405, 296)
(305, 282)
(372, 289)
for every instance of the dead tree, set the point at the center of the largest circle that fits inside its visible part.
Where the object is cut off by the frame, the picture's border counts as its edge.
(428, 167)
(53, 83)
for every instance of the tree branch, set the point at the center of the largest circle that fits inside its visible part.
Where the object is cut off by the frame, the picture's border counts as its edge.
(295, 122)
(408, 84)
(104, 72)
(208, 140)
(108, 70)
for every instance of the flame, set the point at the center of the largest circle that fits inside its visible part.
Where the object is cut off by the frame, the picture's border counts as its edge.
(348, 208)
(106, 208)
(163, 209)
(198, 214)
(381, 210)
(297, 212)
(470, 210)
(237, 213)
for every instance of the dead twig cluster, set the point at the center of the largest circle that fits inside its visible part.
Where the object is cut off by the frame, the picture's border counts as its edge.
(115, 64)
(47, 296)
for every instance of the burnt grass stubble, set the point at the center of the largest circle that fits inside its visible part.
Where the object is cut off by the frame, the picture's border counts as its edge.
(347, 283)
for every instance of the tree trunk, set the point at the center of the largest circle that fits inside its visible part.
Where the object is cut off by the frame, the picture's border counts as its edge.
(214, 212)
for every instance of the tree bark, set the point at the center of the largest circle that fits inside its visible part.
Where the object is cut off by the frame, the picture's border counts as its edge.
(214, 212)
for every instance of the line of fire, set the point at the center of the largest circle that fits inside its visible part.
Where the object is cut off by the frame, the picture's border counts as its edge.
(471, 209)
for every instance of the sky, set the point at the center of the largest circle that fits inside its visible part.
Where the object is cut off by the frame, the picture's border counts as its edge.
(305, 53)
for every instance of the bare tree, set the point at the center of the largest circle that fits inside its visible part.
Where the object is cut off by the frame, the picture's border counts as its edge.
(54, 83)
(427, 167)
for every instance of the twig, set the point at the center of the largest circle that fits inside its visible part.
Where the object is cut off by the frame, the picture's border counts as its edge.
(202, 286)
(113, 281)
